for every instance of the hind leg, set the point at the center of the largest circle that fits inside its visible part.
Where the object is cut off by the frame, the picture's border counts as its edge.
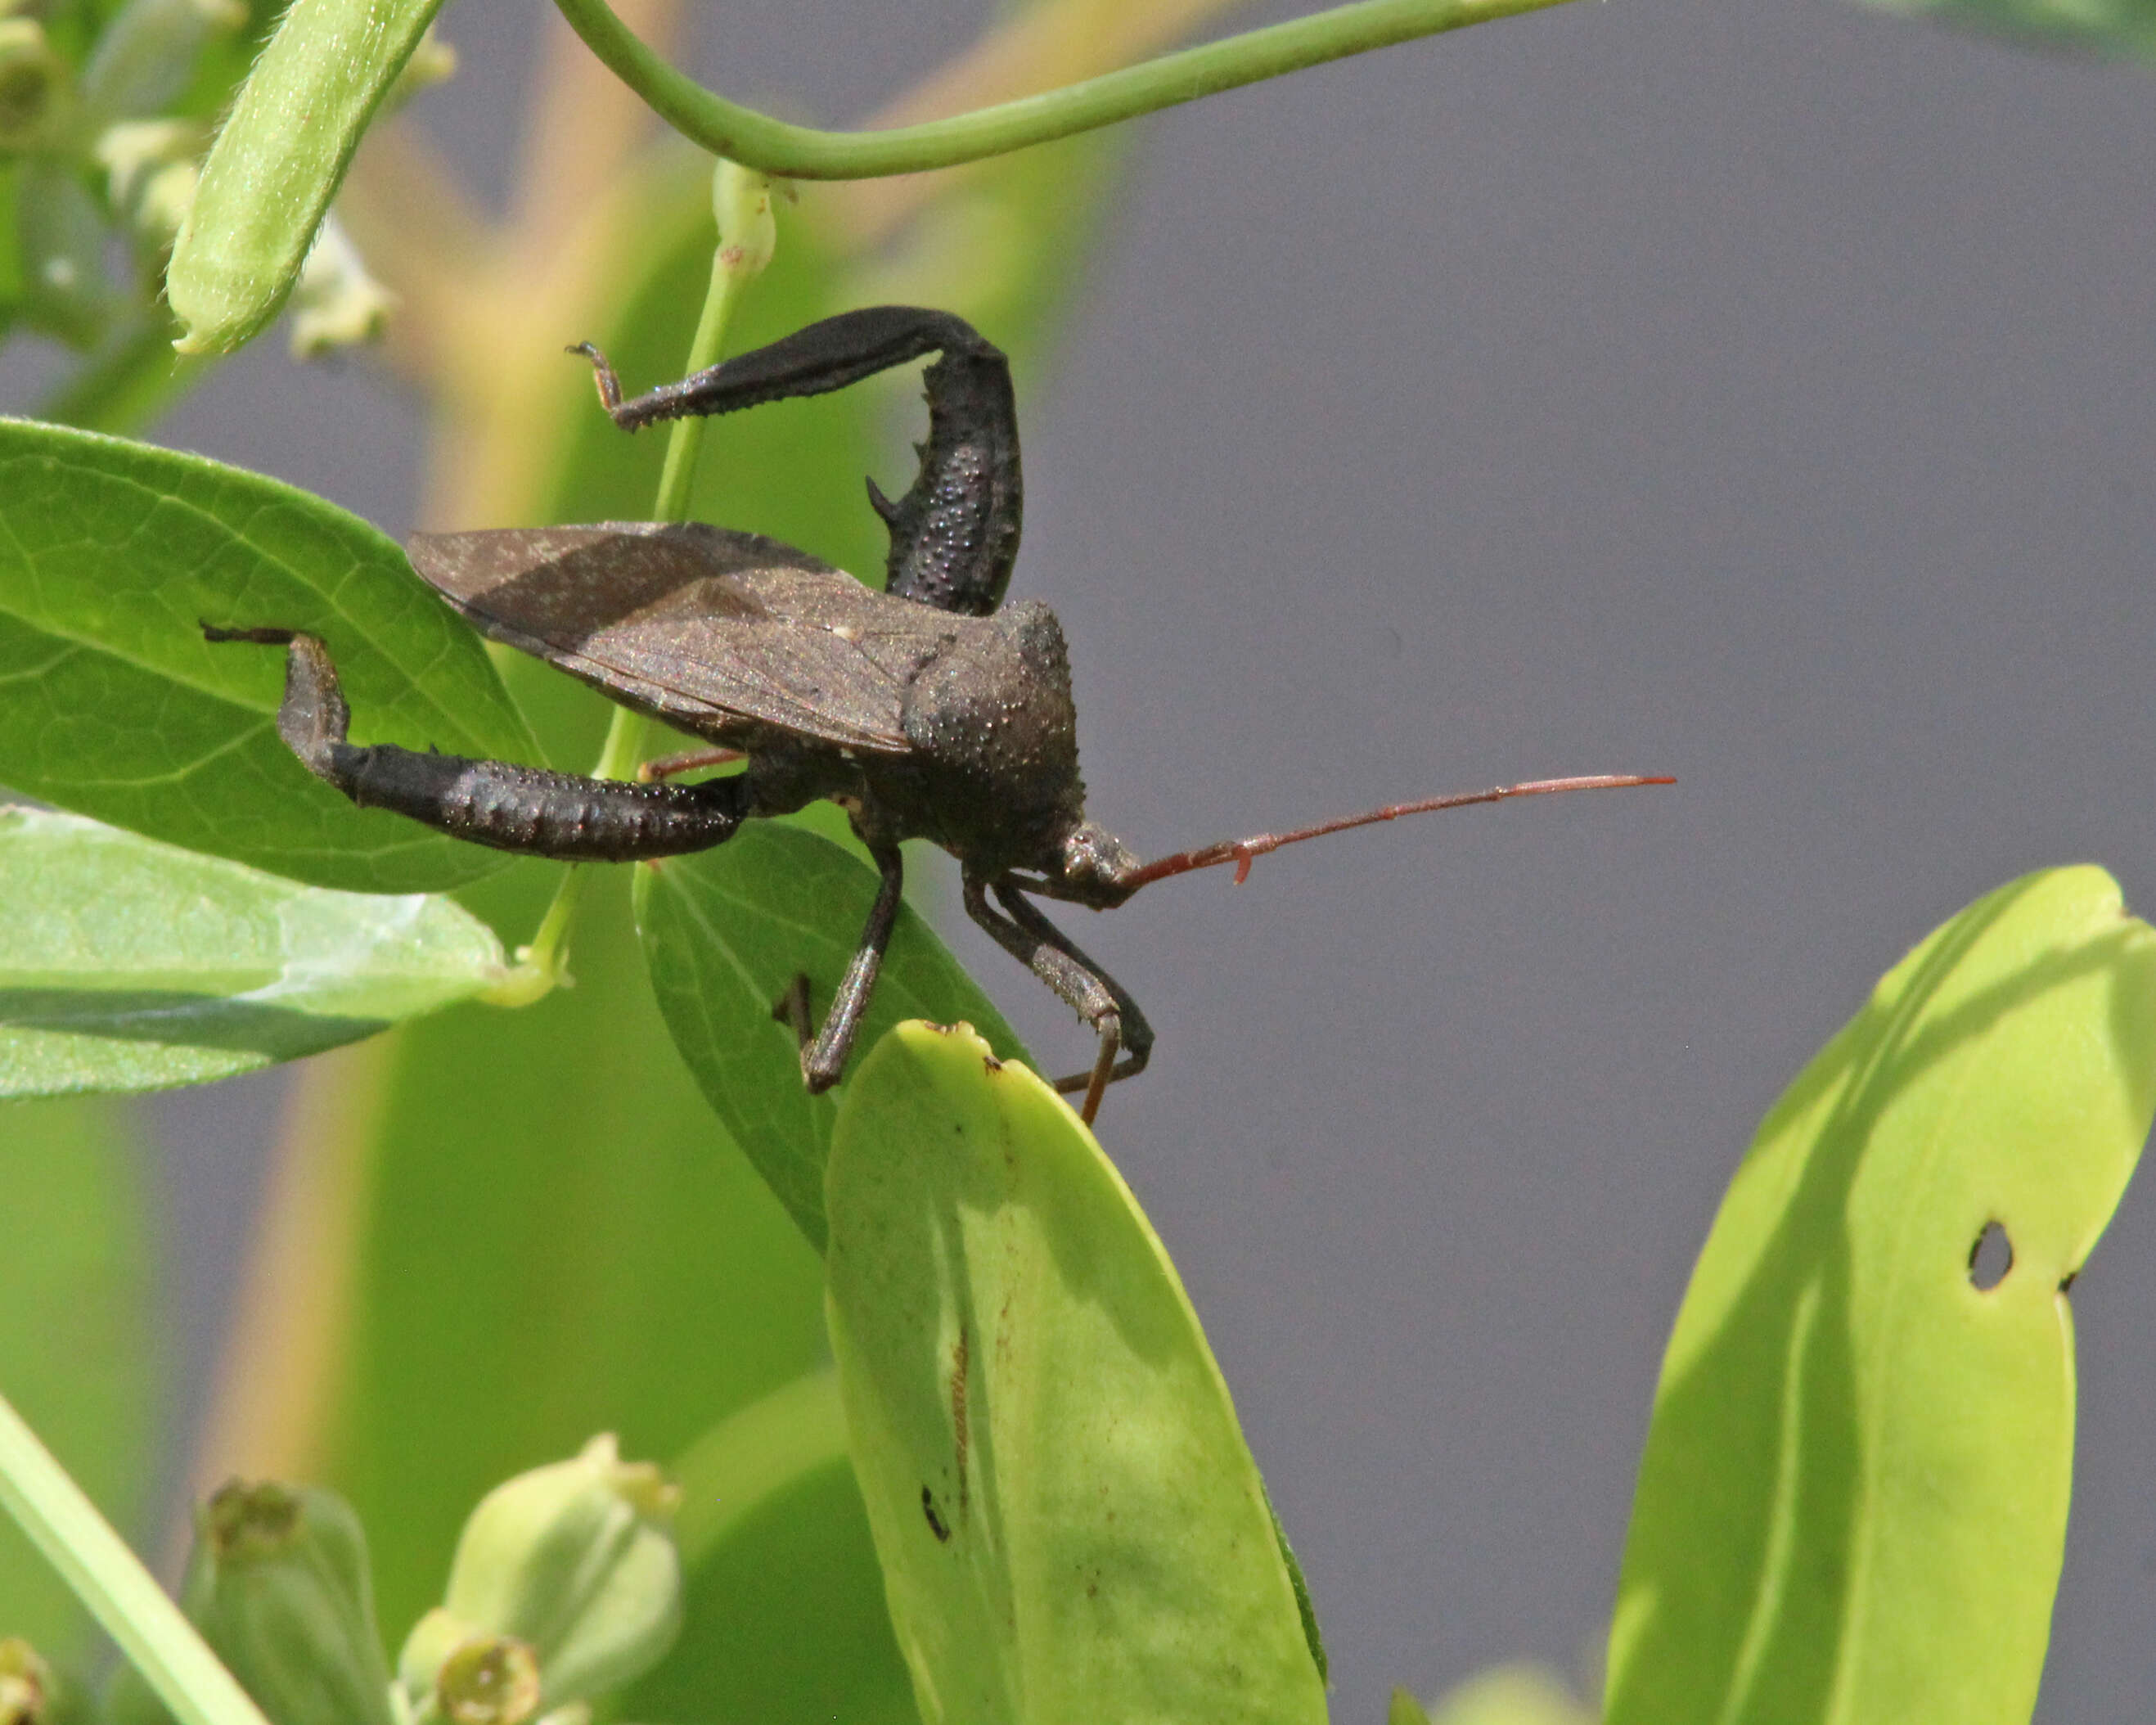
(527, 809)
(954, 535)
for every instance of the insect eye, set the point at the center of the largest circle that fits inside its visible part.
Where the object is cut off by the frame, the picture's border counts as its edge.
(1095, 860)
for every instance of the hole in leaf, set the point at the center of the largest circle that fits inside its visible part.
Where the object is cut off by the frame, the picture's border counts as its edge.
(1990, 1258)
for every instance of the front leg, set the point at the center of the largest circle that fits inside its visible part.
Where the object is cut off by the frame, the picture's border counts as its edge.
(525, 809)
(1096, 997)
(954, 535)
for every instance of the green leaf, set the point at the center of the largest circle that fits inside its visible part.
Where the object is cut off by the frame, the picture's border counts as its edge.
(129, 965)
(2106, 27)
(785, 1618)
(112, 554)
(726, 931)
(278, 160)
(561, 1243)
(1071, 1525)
(1305, 1607)
(1853, 1501)
(75, 1352)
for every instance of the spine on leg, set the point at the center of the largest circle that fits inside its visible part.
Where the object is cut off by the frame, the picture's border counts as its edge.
(954, 535)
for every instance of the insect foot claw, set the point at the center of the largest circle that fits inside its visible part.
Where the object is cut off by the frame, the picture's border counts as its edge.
(603, 374)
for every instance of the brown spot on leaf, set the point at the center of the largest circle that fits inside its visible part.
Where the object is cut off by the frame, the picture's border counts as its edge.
(962, 1437)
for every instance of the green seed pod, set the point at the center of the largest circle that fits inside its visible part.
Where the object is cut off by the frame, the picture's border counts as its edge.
(577, 1561)
(278, 160)
(278, 1583)
(26, 1683)
(37, 87)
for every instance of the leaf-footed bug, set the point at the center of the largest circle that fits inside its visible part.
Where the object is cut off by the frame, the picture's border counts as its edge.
(932, 710)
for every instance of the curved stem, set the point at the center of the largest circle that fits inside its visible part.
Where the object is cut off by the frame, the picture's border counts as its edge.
(773, 146)
(108, 1577)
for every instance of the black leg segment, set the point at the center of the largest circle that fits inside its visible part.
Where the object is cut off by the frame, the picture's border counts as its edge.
(954, 535)
(527, 809)
(823, 1061)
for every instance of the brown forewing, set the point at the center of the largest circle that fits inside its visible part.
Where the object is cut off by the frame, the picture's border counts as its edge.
(719, 633)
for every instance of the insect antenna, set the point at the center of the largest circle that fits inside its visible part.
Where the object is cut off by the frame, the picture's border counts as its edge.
(1243, 852)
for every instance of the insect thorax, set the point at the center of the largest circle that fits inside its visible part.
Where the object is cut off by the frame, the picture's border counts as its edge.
(993, 776)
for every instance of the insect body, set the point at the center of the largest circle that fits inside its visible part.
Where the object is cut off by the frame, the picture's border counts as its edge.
(932, 711)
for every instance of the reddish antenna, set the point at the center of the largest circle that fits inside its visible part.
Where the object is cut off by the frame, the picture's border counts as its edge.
(1243, 852)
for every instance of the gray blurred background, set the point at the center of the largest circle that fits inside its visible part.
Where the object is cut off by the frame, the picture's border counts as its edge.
(1754, 390)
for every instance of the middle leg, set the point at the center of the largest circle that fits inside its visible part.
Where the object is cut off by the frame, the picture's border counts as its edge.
(824, 1060)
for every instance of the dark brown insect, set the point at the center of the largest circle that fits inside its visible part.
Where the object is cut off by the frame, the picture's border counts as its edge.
(932, 711)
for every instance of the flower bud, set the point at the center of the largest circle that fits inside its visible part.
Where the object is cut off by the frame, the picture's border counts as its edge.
(65, 291)
(337, 303)
(576, 1561)
(36, 88)
(26, 1683)
(489, 1680)
(740, 205)
(277, 1585)
(150, 173)
(146, 55)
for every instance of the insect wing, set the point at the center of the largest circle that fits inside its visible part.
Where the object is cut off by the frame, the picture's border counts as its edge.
(716, 632)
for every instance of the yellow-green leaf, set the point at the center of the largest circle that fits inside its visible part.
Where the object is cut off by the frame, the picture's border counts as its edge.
(1070, 1526)
(129, 965)
(1853, 1503)
(80, 1347)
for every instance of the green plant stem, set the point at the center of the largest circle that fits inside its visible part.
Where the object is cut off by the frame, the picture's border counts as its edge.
(773, 146)
(742, 202)
(110, 1580)
(543, 966)
(684, 439)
